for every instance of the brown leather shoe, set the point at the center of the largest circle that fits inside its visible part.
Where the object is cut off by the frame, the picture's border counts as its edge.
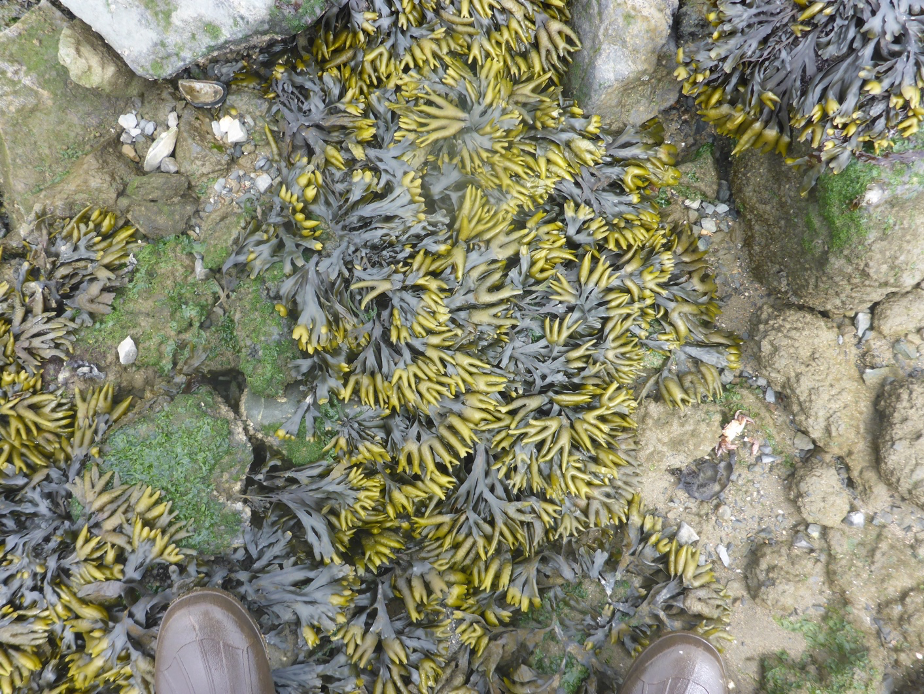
(677, 663)
(209, 644)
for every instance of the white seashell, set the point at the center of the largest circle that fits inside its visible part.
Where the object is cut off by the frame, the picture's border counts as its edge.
(128, 352)
(162, 147)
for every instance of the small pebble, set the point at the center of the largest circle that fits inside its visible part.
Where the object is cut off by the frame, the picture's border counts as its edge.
(235, 175)
(723, 512)
(855, 519)
(219, 185)
(761, 381)
(862, 321)
(263, 182)
(799, 541)
(686, 535)
(149, 128)
(130, 152)
(703, 243)
(770, 395)
(128, 120)
(726, 377)
(172, 119)
(134, 132)
(260, 162)
(709, 225)
(708, 208)
(126, 137)
(813, 530)
(693, 216)
(127, 350)
(721, 208)
(209, 207)
(766, 449)
(905, 350)
(169, 165)
(692, 204)
(802, 442)
(767, 459)
(723, 554)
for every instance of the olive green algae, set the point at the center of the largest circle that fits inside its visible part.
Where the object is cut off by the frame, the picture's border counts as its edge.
(194, 452)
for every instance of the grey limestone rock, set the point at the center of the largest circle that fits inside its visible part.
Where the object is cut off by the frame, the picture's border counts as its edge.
(91, 63)
(623, 71)
(158, 39)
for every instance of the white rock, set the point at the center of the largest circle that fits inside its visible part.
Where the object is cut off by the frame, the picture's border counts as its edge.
(128, 120)
(263, 182)
(169, 165)
(723, 554)
(235, 132)
(134, 132)
(172, 119)
(686, 535)
(162, 148)
(862, 321)
(225, 124)
(216, 129)
(128, 352)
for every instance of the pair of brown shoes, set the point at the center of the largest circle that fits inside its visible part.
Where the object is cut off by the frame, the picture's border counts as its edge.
(209, 644)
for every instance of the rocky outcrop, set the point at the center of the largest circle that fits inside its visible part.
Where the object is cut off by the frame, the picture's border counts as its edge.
(669, 437)
(158, 39)
(799, 354)
(624, 69)
(48, 122)
(901, 440)
(900, 313)
(852, 240)
(819, 492)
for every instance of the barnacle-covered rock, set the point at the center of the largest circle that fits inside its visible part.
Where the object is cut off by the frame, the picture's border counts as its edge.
(901, 439)
(784, 579)
(842, 75)
(799, 354)
(853, 239)
(819, 492)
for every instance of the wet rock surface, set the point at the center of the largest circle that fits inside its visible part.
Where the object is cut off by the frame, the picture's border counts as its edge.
(623, 70)
(854, 239)
(159, 204)
(901, 440)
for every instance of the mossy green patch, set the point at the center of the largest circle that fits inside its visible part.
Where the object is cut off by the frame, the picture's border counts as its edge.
(264, 342)
(187, 452)
(299, 451)
(162, 309)
(837, 198)
(835, 662)
(212, 31)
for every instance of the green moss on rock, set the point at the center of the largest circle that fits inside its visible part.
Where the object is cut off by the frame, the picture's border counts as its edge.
(264, 340)
(162, 309)
(189, 452)
(835, 662)
(837, 196)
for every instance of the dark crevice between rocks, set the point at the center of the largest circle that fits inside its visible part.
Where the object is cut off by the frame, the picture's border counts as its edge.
(229, 385)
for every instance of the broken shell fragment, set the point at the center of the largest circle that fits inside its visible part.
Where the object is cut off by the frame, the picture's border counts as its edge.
(128, 352)
(160, 150)
(203, 93)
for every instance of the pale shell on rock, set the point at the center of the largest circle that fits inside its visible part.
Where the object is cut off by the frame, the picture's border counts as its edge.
(203, 93)
(162, 148)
